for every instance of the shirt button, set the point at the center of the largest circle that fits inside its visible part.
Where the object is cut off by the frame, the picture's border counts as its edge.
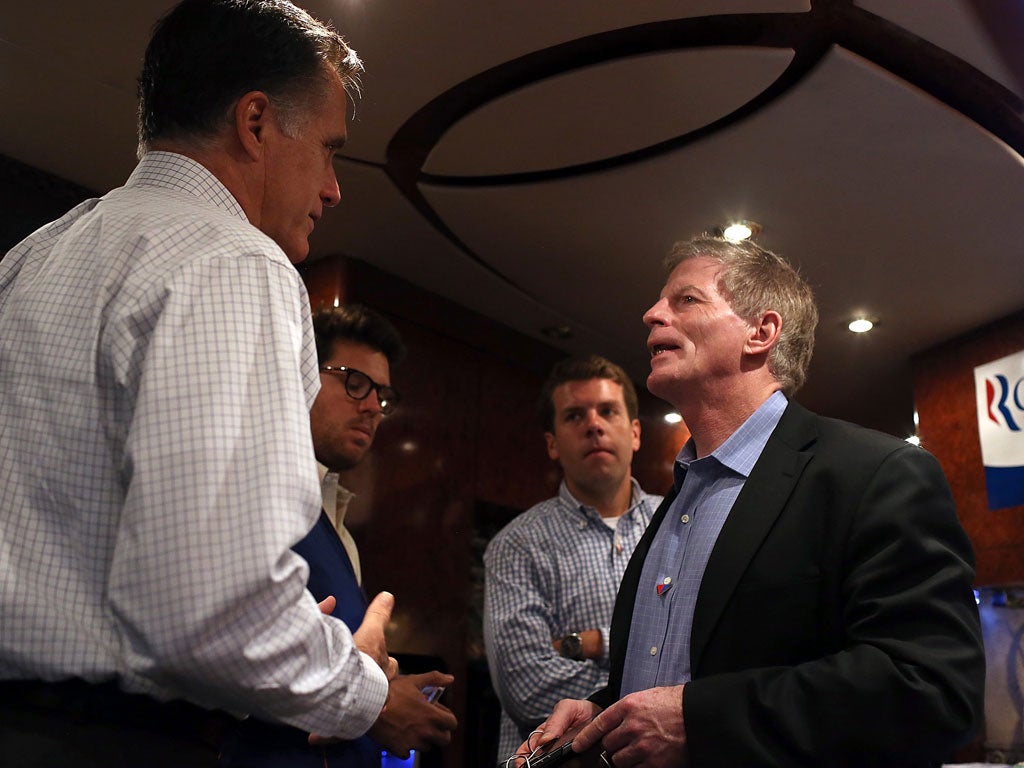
(654, 650)
(685, 519)
(668, 580)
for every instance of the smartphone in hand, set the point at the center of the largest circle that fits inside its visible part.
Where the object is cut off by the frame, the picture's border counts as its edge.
(432, 693)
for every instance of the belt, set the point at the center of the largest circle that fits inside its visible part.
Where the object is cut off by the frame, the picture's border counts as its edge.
(85, 702)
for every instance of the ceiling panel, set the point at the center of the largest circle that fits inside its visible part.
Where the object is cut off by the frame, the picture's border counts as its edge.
(861, 135)
(598, 112)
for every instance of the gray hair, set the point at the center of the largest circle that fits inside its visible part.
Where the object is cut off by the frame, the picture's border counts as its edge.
(753, 281)
(205, 54)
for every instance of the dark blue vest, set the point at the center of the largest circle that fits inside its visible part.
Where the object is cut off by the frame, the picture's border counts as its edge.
(262, 745)
(331, 572)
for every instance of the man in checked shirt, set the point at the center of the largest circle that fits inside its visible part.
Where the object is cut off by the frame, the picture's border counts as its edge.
(157, 366)
(553, 572)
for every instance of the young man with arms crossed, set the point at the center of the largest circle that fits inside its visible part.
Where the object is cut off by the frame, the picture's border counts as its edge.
(552, 573)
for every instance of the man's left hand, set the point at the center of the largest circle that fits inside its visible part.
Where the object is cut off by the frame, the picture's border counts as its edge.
(643, 728)
(409, 721)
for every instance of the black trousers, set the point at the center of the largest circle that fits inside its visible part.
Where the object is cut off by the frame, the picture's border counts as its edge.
(74, 724)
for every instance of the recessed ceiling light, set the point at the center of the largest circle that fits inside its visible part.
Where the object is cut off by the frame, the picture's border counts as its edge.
(673, 418)
(861, 325)
(741, 230)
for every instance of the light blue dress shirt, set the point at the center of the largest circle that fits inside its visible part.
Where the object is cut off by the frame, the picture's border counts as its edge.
(659, 639)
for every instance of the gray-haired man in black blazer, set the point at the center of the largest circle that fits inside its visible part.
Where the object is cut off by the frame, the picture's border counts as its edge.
(803, 597)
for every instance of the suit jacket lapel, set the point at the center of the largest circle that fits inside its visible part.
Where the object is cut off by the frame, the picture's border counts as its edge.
(759, 504)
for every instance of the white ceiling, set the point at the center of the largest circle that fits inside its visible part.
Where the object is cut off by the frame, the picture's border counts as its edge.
(534, 160)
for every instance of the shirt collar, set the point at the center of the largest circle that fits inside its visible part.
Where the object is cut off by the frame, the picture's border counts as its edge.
(742, 448)
(336, 497)
(170, 170)
(636, 495)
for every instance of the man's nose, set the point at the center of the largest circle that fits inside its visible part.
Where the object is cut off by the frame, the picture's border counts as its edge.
(371, 403)
(595, 424)
(330, 195)
(653, 316)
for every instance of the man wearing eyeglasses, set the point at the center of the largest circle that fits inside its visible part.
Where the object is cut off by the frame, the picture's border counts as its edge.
(356, 348)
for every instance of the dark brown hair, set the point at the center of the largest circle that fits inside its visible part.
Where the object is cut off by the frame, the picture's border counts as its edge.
(359, 324)
(583, 369)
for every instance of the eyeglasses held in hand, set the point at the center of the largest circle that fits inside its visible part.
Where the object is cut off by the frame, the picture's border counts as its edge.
(358, 386)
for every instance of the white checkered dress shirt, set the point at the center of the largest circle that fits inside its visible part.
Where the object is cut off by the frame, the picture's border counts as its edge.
(156, 464)
(553, 570)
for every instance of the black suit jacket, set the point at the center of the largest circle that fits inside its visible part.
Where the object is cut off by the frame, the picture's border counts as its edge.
(836, 622)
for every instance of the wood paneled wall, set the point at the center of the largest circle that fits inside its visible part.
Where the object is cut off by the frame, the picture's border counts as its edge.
(948, 425)
(466, 440)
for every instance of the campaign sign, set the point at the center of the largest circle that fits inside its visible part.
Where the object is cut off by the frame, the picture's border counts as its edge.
(999, 389)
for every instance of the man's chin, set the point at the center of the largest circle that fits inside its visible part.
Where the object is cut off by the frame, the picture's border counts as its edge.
(295, 248)
(663, 385)
(600, 481)
(297, 255)
(656, 380)
(343, 464)
(349, 457)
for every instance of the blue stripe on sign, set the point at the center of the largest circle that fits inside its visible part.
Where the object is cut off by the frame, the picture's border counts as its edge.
(1005, 487)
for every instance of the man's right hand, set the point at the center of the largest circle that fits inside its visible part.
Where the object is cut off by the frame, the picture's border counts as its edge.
(409, 721)
(645, 728)
(369, 638)
(568, 714)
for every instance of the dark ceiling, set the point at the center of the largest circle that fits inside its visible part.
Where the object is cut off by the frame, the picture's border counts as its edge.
(535, 160)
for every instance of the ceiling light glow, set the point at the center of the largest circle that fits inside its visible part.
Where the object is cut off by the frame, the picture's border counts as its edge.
(673, 418)
(737, 232)
(861, 325)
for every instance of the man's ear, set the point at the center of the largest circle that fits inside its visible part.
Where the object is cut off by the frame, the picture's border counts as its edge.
(252, 118)
(549, 438)
(764, 334)
(636, 434)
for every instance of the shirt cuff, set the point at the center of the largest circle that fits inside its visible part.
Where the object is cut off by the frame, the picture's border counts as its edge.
(364, 703)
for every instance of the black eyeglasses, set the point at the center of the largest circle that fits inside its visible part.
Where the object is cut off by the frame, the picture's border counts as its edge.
(358, 386)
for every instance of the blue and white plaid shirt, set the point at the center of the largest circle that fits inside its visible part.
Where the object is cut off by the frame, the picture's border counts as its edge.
(552, 571)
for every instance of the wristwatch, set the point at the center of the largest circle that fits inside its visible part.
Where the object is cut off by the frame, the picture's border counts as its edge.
(572, 646)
